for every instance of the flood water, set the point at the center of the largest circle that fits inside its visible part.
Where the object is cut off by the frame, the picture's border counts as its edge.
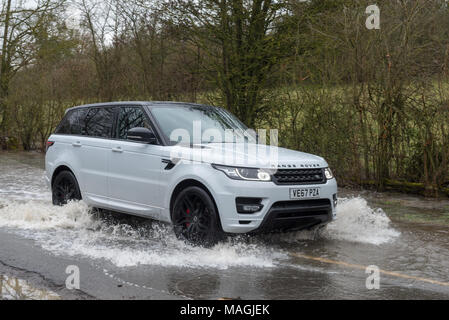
(18, 289)
(404, 236)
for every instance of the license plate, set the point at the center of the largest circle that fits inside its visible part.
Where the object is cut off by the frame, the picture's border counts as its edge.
(303, 193)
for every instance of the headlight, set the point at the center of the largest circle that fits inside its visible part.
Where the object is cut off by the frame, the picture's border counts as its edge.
(328, 173)
(251, 174)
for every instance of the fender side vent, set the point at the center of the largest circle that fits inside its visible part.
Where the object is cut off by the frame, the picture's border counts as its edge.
(170, 164)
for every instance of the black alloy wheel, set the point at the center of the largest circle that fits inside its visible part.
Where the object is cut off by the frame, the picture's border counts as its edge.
(65, 188)
(195, 217)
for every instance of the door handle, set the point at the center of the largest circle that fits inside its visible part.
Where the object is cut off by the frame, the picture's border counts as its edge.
(118, 150)
(77, 144)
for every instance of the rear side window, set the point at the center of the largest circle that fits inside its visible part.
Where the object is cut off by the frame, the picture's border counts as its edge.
(129, 118)
(72, 122)
(98, 122)
(64, 125)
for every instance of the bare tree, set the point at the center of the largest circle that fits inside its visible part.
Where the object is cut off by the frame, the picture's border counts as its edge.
(18, 24)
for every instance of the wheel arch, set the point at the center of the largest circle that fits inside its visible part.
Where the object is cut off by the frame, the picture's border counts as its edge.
(58, 170)
(191, 183)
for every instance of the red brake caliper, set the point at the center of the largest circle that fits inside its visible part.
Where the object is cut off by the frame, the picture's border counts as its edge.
(188, 212)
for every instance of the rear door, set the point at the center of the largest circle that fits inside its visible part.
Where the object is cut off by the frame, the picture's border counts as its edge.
(93, 146)
(134, 167)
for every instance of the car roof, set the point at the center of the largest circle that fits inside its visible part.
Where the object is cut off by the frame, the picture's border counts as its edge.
(140, 103)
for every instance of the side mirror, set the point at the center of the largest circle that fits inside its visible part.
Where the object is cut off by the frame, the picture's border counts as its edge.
(143, 135)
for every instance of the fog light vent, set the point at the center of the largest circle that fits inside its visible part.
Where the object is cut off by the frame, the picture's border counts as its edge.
(335, 200)
(248, 205)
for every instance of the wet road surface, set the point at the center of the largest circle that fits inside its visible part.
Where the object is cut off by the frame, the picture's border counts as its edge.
(120, 257)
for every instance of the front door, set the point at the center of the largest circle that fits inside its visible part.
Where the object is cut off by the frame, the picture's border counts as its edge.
(134, 168)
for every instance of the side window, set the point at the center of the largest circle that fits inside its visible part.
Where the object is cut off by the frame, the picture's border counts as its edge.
(77, 123)
(131, 117)
(98, 122)
(71, 123)
(64, 125)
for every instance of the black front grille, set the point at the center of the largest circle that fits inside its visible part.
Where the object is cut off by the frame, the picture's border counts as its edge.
(300, 208)
(299, 176)
(312, 203)
(297, 215)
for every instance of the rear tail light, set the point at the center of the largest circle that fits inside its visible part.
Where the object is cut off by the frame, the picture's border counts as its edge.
(49, 144)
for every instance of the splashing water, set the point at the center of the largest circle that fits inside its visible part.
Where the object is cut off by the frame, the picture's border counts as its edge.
(74, 230)
(357, 222)
(40, 215)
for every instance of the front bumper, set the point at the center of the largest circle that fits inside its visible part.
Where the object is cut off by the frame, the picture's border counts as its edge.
(296, 215)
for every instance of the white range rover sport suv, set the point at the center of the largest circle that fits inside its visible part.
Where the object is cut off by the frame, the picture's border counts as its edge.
(190, 165)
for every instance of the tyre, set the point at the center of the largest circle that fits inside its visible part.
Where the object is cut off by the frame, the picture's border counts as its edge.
(65, 188)
(195, 218)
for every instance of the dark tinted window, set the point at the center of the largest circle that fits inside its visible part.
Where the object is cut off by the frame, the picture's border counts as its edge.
(78, 121)
(64, 125)
(72, 122)
(98, 122)
(131, 117)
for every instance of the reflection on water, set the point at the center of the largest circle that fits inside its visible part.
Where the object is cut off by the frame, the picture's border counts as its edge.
(18, 289)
